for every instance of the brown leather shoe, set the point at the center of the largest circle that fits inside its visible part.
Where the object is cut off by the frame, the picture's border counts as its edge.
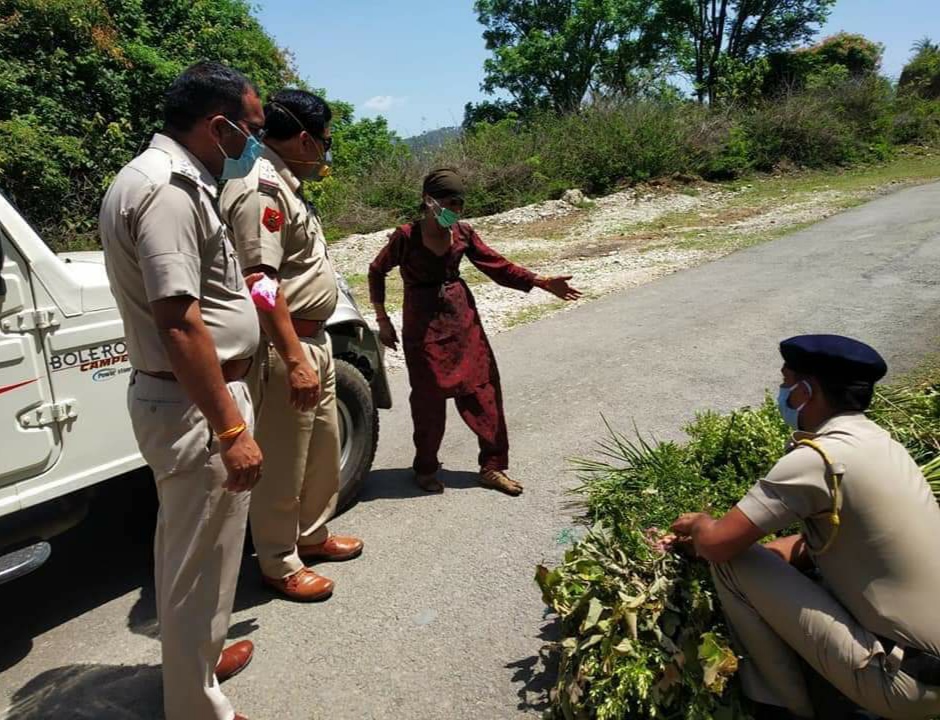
(235, 658)
(304, 586)
(336, 548)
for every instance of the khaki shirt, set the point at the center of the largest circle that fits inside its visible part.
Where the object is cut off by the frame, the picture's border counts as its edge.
(884, 565)
(273, 226)
(163, 238)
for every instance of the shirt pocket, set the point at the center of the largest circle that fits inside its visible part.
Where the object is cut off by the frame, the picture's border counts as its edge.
(313, 237)
(233, 278)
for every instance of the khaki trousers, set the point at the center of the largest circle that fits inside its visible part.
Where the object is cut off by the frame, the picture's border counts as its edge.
(777, 615)
(297, 495)
(198, 545)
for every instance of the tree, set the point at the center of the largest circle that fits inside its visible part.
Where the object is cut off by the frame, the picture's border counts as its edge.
(856, 53)
(921, 76)
(488, 111)
(725, 35)
(925, 45)
(836, 58)
(81, 87)
(553, 53)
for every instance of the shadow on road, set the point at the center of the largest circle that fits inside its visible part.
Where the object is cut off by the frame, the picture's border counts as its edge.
(106, 556)
(536, 674)
(91, 692)
(400, 484)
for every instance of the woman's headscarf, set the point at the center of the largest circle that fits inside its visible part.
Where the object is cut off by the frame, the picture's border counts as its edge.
(442, 183)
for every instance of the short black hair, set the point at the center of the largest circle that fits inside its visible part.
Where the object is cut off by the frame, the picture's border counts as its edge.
(847, 397)
(291, 111)
(204, 89)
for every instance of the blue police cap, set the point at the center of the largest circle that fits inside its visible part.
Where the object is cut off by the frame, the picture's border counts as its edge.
(833, 357)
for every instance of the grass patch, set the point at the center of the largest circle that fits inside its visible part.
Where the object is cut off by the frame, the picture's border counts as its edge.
(533, 313)
(707, 227)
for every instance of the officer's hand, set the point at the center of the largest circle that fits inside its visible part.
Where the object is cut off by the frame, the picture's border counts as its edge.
(242, 458)
(304, 386)
(669, 542)
(387, 334)
(686, 523)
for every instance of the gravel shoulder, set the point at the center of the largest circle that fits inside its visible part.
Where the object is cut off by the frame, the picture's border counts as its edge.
(641, 234)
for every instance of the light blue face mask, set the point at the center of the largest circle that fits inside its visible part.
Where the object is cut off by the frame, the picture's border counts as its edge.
(791, 416)
(239, 167)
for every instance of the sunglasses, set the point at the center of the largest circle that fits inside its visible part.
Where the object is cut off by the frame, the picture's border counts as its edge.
(256, 131)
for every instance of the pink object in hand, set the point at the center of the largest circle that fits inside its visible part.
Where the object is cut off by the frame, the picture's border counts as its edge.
(264, 294)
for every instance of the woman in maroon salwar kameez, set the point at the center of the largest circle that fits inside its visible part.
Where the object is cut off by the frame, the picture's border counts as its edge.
(446, 350)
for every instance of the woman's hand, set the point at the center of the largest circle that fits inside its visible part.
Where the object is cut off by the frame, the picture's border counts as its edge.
(252, 278)
(559, 287)
(387, 333)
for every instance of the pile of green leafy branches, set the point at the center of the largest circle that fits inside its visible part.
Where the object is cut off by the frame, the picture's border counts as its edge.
(642, 636)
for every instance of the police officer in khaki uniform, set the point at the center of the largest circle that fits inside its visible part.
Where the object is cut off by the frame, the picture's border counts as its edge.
(191, 334)
(278, 234)
(871, 529)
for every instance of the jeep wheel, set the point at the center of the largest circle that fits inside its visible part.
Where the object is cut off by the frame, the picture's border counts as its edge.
(358, 431)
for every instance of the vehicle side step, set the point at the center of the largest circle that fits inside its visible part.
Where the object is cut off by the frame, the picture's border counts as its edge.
(21, 562)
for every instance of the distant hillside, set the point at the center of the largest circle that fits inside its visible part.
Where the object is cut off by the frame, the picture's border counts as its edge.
(432, 138)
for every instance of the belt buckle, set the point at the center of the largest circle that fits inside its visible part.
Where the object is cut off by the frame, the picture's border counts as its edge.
(894, 659)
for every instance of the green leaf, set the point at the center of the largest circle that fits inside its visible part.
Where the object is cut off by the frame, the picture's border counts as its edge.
(624, 647)
(595, 609)
(718, 662)
(590, 642)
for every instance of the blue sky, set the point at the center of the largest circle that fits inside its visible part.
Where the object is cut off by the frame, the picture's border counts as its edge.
(417, 62)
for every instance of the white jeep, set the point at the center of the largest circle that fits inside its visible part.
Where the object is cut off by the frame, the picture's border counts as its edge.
(64, 369)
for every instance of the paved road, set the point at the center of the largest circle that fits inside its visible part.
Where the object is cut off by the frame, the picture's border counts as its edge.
(440, 618)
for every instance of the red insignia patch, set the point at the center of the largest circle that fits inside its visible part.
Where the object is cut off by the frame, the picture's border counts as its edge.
(272, 220)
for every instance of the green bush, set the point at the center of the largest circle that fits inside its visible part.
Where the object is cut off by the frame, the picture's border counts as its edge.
(837, 121)
(642, 636)
(921, 76)
(81, 84)
(916, 121)
(832, 124)
(836, 58)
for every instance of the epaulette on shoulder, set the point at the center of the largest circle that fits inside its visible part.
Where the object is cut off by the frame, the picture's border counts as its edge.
(267, 178)
(182, 167)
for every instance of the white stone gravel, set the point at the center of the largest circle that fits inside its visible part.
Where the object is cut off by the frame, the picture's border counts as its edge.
(596, 242)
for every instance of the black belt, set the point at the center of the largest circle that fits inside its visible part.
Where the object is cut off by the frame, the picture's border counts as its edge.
(307, 328)
(232, 371)
(919, 664)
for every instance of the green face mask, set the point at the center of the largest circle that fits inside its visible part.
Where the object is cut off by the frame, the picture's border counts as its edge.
(445, 217)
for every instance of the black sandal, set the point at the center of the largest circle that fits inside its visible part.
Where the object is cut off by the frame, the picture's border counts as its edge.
(429, 482)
